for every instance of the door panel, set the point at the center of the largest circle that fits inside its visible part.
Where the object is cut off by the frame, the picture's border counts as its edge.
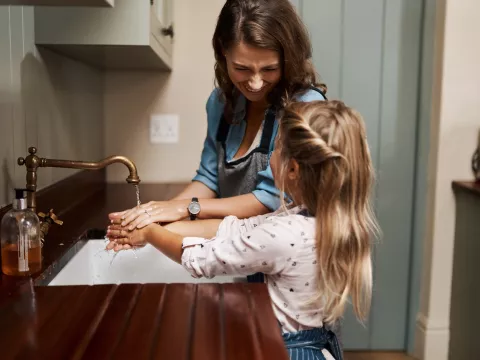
(368, 54)
(396, 166)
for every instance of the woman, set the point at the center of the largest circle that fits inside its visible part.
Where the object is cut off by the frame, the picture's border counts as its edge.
(263, 58)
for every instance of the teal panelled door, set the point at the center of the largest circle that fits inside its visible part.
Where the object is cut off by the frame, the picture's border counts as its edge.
(368, 54)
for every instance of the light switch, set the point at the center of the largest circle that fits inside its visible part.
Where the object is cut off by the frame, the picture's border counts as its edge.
(164, 129)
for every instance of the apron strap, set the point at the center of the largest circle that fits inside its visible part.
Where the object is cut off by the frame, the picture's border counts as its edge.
(333, 346)
(267, 130)
(223, 129)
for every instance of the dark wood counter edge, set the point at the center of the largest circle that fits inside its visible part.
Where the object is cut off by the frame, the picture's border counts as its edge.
(470, 187)
(83, 201)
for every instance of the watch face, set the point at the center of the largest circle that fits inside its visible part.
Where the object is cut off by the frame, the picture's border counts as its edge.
(194, 208)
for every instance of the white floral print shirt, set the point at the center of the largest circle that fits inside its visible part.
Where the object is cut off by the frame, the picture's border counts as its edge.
(280, 245)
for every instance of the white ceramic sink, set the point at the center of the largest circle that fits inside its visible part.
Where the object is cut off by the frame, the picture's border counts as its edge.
(93, 265)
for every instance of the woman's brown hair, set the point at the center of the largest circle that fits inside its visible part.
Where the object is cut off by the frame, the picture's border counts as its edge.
(267, 24)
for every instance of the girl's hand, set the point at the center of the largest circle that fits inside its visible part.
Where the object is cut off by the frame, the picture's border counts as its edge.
(122, 239)
(152, 212)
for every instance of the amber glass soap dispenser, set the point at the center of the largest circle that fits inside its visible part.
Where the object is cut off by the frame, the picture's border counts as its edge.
(20, 239)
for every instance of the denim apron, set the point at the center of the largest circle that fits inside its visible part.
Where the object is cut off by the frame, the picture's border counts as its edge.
(239, 177)
(308, 344)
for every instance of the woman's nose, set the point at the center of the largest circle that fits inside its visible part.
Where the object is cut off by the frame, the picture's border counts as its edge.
(255, 83)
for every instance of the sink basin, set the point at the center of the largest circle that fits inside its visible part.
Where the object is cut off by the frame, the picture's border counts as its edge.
(93, 265)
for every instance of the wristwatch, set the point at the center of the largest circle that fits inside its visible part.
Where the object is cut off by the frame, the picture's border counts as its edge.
(194, 208)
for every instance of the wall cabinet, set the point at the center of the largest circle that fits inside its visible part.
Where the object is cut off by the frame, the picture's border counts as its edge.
(59, 2)
(132, 35)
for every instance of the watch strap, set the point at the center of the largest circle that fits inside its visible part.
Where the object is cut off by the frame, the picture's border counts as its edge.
(193, 216)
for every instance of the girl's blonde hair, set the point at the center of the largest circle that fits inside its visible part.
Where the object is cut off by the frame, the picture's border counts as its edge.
(328, 141)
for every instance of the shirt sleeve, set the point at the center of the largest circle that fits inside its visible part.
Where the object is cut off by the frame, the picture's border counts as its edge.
(309, 95)
(241, 247)
(207, 172)
(265, 191)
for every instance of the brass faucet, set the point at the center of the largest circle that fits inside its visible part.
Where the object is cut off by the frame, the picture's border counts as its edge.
(33, 162)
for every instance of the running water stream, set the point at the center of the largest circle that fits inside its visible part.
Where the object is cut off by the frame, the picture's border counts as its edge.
(137, 190)
(137, 193)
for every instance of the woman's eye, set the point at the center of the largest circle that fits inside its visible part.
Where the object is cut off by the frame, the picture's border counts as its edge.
(241, 69)
(270, 69)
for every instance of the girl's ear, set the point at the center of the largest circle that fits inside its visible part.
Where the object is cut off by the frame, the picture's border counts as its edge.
(293, 170)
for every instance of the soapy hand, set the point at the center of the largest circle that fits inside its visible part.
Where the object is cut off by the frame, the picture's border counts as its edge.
(149, 213)
(123, 239)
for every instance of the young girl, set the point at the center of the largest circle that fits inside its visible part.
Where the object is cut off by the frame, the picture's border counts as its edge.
(316, 253)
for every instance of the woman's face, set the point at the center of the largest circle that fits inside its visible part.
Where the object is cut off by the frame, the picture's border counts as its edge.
(254, 71)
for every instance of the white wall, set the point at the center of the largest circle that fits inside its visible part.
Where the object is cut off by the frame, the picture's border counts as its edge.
(131, 97)
(454, 127)
(46, 101)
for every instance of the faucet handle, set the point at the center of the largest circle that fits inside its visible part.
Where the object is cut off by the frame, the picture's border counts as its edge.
(32, 151)
(48, 219)
(50, 216)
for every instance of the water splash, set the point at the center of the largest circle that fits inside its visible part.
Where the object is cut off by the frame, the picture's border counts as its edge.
(137, 192)
(114, 257)
(99, 252)
(104, 250)
(96, 279)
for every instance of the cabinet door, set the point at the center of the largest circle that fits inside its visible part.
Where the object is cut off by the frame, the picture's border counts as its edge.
(59, 2)
(162, 23)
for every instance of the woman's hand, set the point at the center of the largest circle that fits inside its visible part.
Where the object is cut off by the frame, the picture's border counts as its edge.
(152, 212)
(122, 239)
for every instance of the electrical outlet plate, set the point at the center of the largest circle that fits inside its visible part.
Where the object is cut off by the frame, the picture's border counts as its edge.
(164, 129)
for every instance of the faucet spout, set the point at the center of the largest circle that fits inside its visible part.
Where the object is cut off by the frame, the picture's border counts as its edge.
(33, 162)
(95, 165)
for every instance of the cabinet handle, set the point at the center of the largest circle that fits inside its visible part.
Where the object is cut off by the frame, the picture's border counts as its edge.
(168, 31)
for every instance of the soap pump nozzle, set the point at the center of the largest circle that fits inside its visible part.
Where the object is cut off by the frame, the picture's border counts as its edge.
(20, 201)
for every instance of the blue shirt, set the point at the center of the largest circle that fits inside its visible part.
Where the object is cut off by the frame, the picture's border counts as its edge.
(207, 173)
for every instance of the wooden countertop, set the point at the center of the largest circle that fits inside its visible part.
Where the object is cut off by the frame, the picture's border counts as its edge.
(152, 321)
(471, 187)
(132, 321)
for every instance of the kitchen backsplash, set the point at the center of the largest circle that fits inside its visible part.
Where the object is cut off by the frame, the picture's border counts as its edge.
(47, 101)
(131, 97)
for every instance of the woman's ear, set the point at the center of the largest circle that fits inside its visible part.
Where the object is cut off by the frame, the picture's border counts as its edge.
(293, 170)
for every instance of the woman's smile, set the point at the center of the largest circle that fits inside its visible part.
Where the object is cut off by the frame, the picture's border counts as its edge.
(254, 71)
